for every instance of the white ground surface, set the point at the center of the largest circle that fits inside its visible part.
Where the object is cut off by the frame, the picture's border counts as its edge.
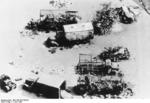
(27, 54)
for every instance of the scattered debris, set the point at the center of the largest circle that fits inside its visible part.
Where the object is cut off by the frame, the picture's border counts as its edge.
(115, 54)
(11, 63)
(52, 50)
(104, 20)
(107, 16)
(35, 72)
(100, 79)
(52, 23)
(70, 32)
(113, 88)
(74, 34)
(18, 79)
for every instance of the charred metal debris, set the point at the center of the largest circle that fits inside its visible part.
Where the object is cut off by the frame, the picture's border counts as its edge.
(102, 76)
(55, 20)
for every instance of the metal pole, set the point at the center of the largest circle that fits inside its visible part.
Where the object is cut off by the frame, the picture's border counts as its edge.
(144, 7)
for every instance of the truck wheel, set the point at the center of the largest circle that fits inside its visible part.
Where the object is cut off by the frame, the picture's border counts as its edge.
(7, 89)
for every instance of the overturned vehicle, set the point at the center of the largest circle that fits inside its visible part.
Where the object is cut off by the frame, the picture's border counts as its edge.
(6, 84)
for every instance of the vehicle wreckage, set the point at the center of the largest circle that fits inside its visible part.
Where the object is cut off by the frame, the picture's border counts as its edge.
(115, 54)
(6, 84)
(45, 86)
(100, 78)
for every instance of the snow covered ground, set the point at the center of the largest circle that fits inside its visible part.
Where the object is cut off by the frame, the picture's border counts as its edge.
(19, 55)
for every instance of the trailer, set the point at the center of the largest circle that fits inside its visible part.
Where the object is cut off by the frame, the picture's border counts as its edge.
(48, 86)
(79, 31)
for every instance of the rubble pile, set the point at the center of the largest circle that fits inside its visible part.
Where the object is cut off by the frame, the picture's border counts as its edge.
(103, 21)
(106, 88)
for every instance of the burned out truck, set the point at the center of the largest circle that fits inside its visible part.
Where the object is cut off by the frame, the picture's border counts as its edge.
(115, 54)
(87, 65)
(71, 35)
(74, 34)
(96, 86)
(68, 30)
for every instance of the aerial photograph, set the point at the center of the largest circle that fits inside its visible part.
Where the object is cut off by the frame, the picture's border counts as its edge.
(75, 49)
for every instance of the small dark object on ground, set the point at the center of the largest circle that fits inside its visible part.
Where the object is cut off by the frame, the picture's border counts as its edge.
(11, 63)
(80, 89)
(61, 48)
(18, 79)
(52, 50)
(50, 43)
(6, 84)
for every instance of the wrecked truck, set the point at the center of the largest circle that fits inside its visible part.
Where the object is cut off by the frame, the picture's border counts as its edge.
(115, 54)
(45, 86)
(71, 35)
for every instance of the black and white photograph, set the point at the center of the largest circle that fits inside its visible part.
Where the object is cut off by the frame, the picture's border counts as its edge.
(74, 49)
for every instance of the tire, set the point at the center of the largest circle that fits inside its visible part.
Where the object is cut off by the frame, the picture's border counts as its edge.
(7, 89)
(80, 89)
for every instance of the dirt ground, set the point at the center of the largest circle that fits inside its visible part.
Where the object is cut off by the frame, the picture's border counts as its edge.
(19, 55)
